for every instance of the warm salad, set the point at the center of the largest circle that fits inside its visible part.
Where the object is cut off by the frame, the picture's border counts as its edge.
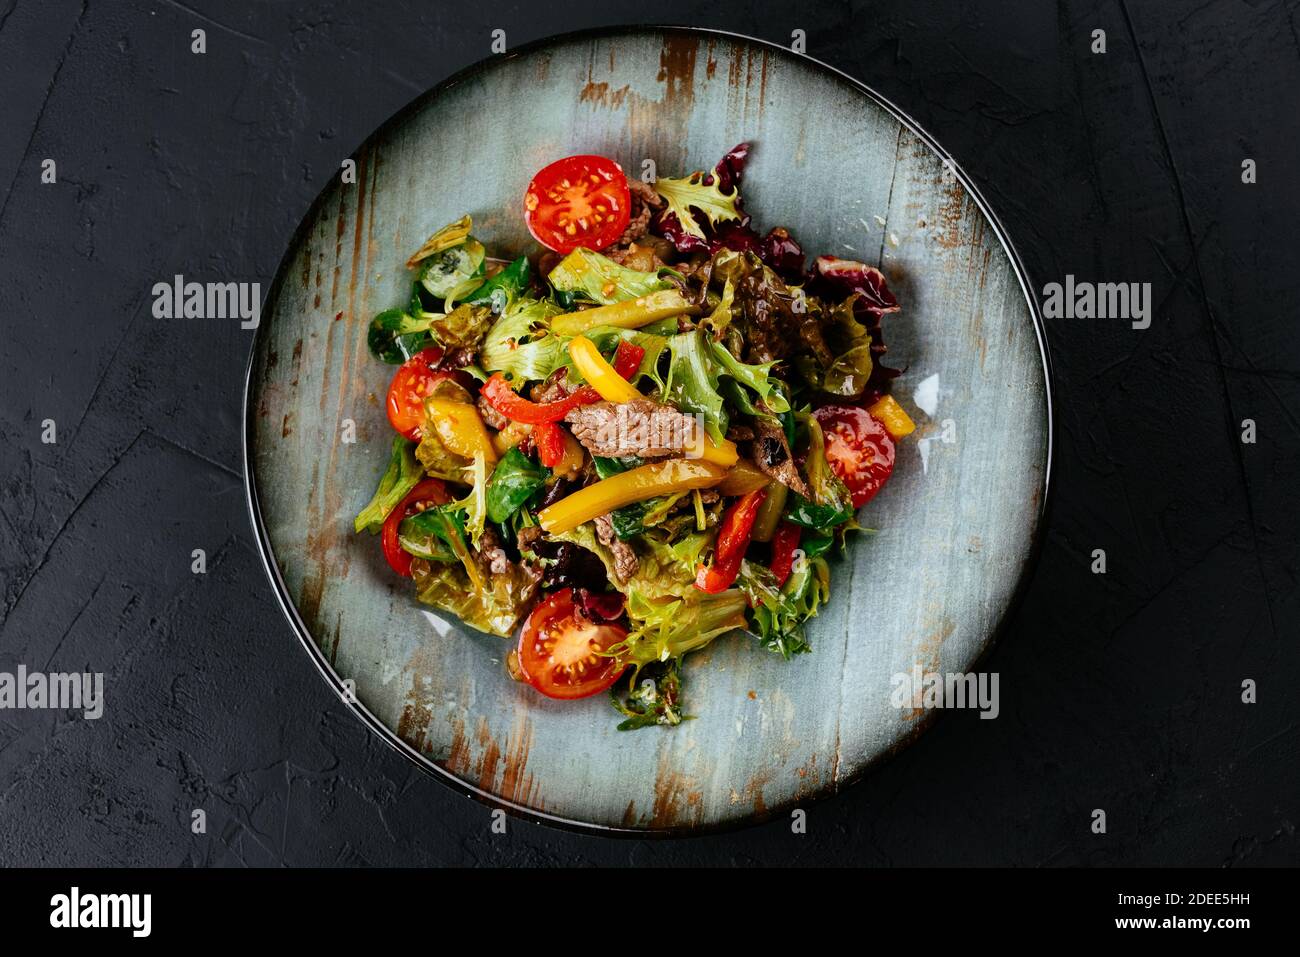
(646, 434)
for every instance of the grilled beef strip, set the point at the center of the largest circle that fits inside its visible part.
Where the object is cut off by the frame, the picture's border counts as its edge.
(771, 454)
(640, 427)
(625, 560)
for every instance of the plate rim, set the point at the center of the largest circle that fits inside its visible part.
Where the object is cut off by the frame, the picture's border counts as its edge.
(427, 764)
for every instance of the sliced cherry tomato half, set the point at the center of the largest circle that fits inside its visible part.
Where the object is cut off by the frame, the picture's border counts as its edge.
(429, 492)
(578, 201)
(412, 382)
(559, 652)
(859, 449)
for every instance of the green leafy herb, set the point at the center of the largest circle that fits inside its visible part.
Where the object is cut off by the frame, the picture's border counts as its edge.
(660, 327)
(493, 604)
(520, 344)
(503, 288)
(602, 280)
(628, 521)
(816, 543)
(605, 467)
(654, 698)
(674, 553)
(846, 368)
(432, 534)
(672, 627)
(462, 328)
(770, 390)
(395, 335)
(809, 586)
(813, 515)
(631, 520)
(830, 504)
(848, 375)
(439, 532)
(658, 575)
(474, 503)
(415, 303)
(683, 195)
(512, 484)
(607, 338)
(774, 616)
(701, 371)
(719, 319)
(402, 475)
(692, 383)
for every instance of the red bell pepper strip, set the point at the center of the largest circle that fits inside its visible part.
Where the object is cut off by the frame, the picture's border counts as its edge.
(733, 539)
(518, 409)
(784, 541)
(549, 439)
(497, 390)
(431, 491)
(627, 359)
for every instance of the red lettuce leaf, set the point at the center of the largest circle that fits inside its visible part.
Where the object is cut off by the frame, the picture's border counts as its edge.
(836, 278)
(777, 249)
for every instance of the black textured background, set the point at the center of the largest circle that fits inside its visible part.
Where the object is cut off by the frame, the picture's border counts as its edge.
(1119, 691)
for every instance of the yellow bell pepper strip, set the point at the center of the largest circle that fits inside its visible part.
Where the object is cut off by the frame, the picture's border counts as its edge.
(720, 453)
(460, 428)
(634, 485)
(600, 375)
(604, 378)
(743, 477)
(629, 314)
(892, 416)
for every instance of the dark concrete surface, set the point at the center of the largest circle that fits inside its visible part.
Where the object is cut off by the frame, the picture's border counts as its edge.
(1119, 691)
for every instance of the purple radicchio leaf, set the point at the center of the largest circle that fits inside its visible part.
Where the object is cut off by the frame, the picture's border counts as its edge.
(836, 278)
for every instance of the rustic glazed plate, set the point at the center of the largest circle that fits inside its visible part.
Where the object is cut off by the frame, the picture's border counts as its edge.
(849, 175)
